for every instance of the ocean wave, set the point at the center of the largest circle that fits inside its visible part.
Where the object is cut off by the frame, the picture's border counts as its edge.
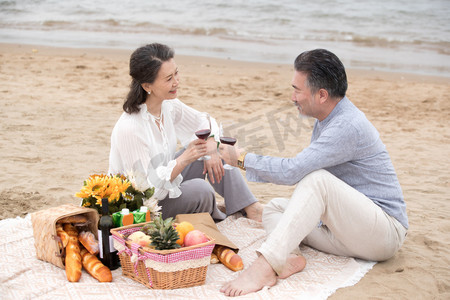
(242, 34)
(56, 24)
(214, 31)
(272, 29)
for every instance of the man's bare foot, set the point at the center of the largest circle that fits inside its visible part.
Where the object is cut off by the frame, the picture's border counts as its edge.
(254, 211)
(253, 279)
(294, 264)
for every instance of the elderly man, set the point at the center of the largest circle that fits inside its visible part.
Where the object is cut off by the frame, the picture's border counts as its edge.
(348, 200)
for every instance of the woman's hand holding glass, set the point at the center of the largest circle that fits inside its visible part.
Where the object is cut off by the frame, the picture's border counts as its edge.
(212, 164)
(196, 149)
(205, 131)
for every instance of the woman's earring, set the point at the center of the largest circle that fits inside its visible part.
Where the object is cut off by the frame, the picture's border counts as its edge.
(149, 92)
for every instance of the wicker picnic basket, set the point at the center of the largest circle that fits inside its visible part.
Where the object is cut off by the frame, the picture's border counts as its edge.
(162, 269)
(44, 230)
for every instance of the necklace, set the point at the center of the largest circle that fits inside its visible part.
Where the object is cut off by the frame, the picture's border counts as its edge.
(157, 119)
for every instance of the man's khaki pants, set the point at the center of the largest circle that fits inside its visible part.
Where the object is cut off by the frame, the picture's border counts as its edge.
(329, 215)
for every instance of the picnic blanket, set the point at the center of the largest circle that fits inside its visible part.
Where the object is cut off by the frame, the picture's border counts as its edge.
(23, 276)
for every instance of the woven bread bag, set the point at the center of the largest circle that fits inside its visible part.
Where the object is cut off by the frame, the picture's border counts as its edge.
(44, 229)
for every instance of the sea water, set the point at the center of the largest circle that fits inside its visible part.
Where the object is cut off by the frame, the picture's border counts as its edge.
(397, 35)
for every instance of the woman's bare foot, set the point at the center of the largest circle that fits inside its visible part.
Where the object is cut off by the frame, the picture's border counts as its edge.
(294, 264)
(254, 211)
(253, 279)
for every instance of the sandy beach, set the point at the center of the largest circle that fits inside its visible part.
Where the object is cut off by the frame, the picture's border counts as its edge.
(59, 107)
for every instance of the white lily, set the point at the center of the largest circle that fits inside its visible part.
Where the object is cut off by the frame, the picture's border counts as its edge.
(138, 180)
(153, 207)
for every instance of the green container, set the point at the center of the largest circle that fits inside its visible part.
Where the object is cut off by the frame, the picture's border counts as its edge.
(118, 217)
(142, 215)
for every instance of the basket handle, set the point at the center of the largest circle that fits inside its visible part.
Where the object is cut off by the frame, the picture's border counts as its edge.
(61, 253)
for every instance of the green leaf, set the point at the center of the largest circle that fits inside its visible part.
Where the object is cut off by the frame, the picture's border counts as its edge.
(113, 209)
(139, 203)
(149, 193)
(168, 222)
(138, 196)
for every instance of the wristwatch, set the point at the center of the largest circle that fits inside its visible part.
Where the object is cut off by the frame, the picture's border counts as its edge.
(240, 162)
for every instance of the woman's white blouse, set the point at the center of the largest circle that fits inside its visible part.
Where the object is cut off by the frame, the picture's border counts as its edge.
(139, 146)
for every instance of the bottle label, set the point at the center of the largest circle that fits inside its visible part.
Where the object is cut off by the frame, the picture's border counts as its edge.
(111, 243)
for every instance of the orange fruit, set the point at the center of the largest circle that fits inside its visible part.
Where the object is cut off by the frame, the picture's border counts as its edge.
(183, 228)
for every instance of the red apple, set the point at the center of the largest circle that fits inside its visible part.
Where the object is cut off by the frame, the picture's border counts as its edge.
(194, 237)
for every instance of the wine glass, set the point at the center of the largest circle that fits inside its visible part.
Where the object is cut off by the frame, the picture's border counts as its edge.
(226, 140)
(204, 133)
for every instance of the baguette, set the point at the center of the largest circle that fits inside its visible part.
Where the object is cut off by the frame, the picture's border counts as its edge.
(62, 235)
(94, 267)
(87, 239)
(229, 258)
(214, 259)
(73, 256)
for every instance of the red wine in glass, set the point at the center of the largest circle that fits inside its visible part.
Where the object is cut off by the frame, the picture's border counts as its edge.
(203, 133)
(228, 140)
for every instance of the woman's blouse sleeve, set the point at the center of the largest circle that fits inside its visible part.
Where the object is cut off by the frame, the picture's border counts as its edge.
(131, 151)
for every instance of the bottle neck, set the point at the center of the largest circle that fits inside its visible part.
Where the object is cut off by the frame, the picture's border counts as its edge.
(105, 207)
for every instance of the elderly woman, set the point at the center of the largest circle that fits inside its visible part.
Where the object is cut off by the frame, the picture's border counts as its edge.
(144, 140)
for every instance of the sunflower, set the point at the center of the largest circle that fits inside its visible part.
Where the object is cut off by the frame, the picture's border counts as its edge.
(92, 186)
(104, 186)
(115, 188)
(118, 189)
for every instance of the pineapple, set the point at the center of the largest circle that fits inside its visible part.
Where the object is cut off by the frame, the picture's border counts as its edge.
(163, 234)
(148, 228)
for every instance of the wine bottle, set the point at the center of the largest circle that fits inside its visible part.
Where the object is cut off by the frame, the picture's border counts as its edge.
(108, 254)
